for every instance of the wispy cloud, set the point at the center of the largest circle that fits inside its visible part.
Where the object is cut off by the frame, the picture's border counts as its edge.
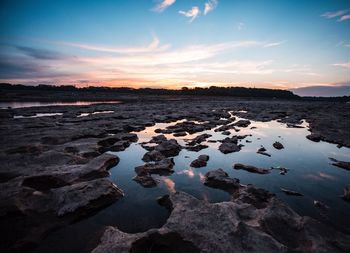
(154, 46)
(162, 5)
(343, 18)
(41, 54)
(343, 44)
(240, 26)
(192, 14)
(274, 44)
(210, 5)
(141, 66)
(343, 65)
(335, 14)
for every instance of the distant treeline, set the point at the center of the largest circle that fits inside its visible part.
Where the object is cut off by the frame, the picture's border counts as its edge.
(211, 91)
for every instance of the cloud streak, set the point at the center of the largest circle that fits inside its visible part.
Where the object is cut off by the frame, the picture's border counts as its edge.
(41, 54)
(343, 18)
(210, 6)
(142, 66)
(192, 14)
(154, 46)
(336, 14)
(343, 65)
(162, 5)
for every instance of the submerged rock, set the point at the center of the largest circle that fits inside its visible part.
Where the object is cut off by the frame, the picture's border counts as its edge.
(289, 192)
(201, 161)
(250, 168)
(232, 226)
(220, 179)
(146, 180)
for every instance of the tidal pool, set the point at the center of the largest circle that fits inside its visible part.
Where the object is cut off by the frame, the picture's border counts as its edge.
(309, 172)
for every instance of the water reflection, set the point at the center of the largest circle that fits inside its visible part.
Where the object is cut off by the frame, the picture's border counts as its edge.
(138, 210)
(37, 115)
(93, 113)
(14, 105)
(170, 184)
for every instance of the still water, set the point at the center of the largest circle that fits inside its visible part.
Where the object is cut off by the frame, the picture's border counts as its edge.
(310, 173)
(14, 105)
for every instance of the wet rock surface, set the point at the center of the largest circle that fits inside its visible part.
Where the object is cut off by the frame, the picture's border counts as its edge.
(201, 161)
(65, 153)
(220, 179)
(340, 164)
(250, 168)
(278, 145)
(252, 223)
(163, 167)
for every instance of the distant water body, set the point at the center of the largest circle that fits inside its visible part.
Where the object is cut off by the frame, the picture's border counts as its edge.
(14, 105)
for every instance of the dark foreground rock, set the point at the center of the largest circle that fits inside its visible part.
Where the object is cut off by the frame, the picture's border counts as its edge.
(234, 226)
(290, 192)
(41, 155)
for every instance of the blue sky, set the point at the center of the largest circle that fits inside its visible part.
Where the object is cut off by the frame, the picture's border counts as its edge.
(174, 43)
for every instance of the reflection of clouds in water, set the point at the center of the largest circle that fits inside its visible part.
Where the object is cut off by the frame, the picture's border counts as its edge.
(327, 176)
(188, 172)
(320, 177)
(201, 176)
(312, 177)
(170, 184)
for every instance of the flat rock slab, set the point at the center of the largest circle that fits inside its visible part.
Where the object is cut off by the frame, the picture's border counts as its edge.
(85, 197)
(234, 226)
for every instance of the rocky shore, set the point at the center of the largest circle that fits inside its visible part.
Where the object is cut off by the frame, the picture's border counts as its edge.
(54, 171)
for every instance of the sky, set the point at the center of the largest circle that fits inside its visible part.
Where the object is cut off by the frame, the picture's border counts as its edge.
(298, 45)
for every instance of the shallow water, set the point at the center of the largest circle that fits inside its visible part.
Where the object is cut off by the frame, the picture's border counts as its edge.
(37, 115)
(14, 105)
(310, 172)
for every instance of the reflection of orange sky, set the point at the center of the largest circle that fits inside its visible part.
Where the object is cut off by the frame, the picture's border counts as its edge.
(170, 184)
(321, 176)
(189, 172)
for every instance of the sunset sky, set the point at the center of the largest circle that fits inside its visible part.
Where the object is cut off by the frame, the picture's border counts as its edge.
(173, 43)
